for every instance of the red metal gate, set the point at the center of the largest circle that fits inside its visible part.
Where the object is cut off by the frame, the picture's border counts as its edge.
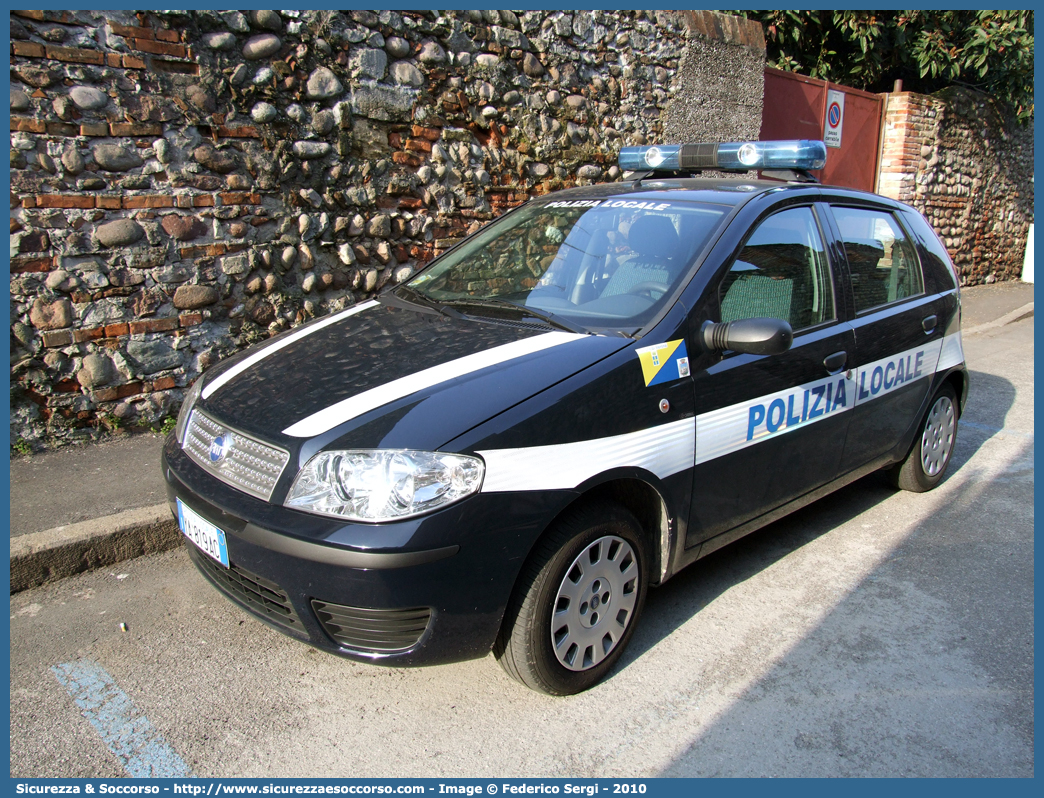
(796, 108)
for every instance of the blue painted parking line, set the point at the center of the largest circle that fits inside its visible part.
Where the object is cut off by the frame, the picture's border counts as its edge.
(995, 430)
(121, 725)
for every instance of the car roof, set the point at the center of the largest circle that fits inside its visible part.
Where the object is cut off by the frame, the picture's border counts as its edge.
(714, 190)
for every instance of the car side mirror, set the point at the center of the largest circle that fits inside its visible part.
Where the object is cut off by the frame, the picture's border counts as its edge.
(761, 336)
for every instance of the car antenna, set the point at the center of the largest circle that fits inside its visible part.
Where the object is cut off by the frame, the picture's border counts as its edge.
(662, 173)
(790, 175)
(638, 178)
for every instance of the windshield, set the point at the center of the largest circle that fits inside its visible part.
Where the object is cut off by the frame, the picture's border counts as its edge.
(588, 264)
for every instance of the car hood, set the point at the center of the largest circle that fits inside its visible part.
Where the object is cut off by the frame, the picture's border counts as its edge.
(377, 375)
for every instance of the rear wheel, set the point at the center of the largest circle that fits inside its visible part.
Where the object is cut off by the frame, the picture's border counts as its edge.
(926, 463)
(578, 601)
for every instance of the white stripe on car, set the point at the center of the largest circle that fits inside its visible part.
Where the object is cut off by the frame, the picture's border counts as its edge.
(355, 406)
(667, 449)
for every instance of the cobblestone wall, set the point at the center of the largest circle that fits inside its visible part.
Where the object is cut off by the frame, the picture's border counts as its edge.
(958, 160)
(185, 184)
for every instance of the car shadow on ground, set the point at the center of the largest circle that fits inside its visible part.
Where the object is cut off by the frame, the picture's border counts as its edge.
(990, 398)
(673, 604)
(923, 668)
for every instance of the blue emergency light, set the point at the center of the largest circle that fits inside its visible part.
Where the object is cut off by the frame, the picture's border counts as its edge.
(740, 155)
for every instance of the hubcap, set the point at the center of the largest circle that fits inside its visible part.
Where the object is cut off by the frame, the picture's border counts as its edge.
(594, 603)
(937, 439)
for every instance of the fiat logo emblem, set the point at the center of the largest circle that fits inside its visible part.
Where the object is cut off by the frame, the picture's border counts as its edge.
(219, 448)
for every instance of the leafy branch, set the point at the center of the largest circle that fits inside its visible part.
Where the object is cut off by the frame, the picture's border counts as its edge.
(928, 50)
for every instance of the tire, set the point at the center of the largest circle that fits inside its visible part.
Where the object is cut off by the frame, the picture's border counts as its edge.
(577, 602)
(925, 465)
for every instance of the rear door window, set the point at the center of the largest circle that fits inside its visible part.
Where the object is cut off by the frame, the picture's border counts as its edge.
(882, 261)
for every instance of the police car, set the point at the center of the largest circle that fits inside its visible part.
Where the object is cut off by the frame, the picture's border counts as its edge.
(595, 390)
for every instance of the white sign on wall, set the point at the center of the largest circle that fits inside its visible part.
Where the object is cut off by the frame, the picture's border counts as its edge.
(835, 116)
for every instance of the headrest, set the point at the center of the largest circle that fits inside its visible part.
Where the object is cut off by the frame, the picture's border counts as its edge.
(653, 236)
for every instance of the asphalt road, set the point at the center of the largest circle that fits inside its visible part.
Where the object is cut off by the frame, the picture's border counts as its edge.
(871, 634)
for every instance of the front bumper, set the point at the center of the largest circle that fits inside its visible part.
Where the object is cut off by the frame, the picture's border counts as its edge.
(422, 591)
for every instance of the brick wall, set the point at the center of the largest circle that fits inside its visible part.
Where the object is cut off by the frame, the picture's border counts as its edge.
(184, 184)
(956, 158)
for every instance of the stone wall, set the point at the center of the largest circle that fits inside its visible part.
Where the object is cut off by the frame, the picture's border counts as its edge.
(720, 81)
(955, 157)
(186, 184)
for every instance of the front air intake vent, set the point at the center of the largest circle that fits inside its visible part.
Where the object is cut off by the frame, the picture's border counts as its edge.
(373, 631)
(262, 597)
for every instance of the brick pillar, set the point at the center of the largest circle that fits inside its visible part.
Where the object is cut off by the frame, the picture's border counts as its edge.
(911, 132)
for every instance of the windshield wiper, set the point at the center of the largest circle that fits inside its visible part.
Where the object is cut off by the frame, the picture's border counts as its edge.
(417, 298)
(544, 316)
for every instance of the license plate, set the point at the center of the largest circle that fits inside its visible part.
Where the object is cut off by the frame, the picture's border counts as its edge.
(204, 534)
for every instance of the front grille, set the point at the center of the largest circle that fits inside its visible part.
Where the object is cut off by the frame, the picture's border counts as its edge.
(257, 594)
(233, 457)
(378, 631)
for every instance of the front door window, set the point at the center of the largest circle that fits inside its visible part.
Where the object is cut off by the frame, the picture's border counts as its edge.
(781, 273)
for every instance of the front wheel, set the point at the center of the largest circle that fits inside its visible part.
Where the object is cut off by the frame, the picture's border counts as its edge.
(578, 601)
(926, 463)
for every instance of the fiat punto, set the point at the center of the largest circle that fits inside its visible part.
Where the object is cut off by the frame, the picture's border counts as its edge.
(505, 452)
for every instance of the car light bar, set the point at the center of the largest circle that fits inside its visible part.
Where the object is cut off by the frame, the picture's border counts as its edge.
(742, 155)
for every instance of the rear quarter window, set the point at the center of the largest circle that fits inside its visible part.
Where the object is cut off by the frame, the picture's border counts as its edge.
(939, 271)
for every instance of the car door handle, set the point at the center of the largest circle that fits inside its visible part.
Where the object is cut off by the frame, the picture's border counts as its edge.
(928, 323)
(835, 362)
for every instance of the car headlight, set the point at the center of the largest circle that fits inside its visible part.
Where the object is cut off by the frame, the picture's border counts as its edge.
(383, 484)
(191, 396)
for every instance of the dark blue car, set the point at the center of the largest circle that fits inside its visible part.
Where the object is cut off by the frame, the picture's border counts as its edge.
(602, 386)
